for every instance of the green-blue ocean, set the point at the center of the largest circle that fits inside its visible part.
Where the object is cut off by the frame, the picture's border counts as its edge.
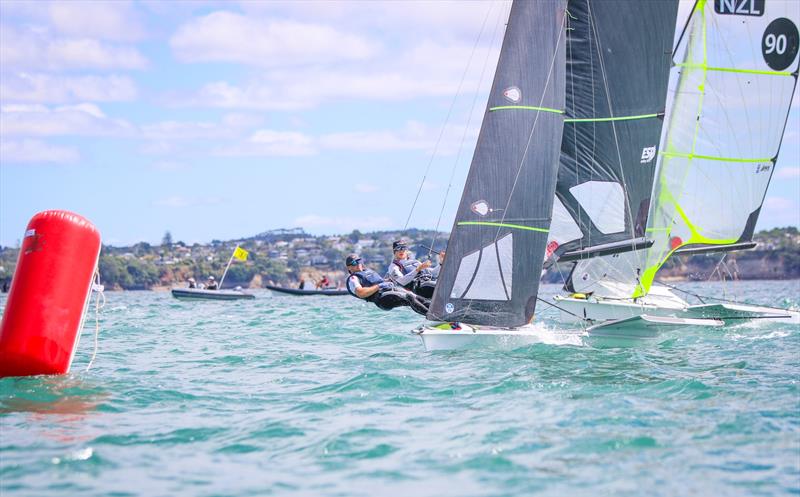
(329, 396)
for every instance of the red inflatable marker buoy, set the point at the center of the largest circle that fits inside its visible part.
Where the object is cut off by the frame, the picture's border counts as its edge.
(49, 294)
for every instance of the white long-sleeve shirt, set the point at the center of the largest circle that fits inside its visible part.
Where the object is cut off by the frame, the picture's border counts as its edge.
(394, 273)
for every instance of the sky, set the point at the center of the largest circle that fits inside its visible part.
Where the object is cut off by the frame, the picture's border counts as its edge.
(221, 120)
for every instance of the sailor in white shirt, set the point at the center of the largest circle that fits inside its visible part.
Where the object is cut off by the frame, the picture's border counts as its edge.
(410, 273)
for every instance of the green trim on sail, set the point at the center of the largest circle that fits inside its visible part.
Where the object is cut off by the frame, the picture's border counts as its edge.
(734, 69)
(712, 157)
(573, 119)
(525, 107)
(502, 225)
(665, 197)
(606, 119)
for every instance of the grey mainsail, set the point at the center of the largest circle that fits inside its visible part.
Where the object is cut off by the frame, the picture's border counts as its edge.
(498, 239)
(618, 57)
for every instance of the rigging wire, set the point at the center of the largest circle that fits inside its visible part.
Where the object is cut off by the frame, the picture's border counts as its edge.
(464, 135)
(697, 295)
(583, 319)
(447, 118)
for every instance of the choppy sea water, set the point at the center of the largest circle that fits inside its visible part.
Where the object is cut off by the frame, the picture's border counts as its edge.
(327, 396)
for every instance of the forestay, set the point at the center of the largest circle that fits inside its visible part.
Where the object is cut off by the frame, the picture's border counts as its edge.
(498, 239)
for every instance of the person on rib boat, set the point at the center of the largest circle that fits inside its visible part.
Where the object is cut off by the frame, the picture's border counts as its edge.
(410, 274)
(211, 284)
(368, 285)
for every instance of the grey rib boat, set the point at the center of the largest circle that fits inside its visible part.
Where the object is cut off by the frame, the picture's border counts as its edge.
(198, 294)
(297, 291)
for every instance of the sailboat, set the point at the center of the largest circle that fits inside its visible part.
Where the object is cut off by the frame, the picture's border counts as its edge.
(736, 69)
(578, 95)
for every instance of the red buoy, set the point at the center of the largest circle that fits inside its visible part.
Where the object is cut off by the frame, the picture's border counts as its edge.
(49, 294)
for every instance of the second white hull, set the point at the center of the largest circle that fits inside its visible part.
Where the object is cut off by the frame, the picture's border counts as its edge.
(575, 310)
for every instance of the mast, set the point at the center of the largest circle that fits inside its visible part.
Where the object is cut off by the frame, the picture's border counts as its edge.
(497, 243)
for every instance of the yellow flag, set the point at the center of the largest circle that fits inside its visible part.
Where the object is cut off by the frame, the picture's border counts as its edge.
(240, 253)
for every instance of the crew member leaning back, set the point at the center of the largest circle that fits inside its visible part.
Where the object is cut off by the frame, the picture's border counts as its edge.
(366, 284)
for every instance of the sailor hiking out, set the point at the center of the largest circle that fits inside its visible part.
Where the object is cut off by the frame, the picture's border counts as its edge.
(410, 274)
(366, 284)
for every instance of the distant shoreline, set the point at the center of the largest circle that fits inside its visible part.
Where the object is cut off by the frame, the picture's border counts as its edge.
(165, 289)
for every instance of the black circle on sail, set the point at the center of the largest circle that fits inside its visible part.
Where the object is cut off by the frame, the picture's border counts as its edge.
(780, 43)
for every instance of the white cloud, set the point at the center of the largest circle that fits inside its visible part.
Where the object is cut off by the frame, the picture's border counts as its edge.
(179, 201)
(266, 142)
(374, 140)
(35, 151)
(230, 37)
(157, 147)
(341, 224)
(47, 88)
(241, 120)
(40, 120)
(116, 21)
(446, 19)
(414, 136)
(184, 130)
(365, 188)
(422, 69)
(307, 87)
(788, 172)
(37, 49)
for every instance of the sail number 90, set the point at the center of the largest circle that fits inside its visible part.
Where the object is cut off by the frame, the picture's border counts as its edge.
(779, 44)
(775, 43)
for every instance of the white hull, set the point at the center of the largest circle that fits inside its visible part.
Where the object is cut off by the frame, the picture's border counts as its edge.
(444, 337)
(576, 310)
(732, 313)
(608, 310)
(635, 330)
(623, 332)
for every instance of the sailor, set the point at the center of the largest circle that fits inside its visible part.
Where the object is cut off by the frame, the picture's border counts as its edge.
(323, 283)
(368, 285)
(410, 273)
(192, 283)
(211, 284)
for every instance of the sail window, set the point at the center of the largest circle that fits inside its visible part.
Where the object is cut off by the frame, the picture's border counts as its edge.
(486, 274)
(563, 228)
(604, 202)
(466, 269)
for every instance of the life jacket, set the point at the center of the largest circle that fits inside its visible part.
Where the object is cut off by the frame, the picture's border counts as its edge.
(367, 277)
(410, 265)
(406, 265)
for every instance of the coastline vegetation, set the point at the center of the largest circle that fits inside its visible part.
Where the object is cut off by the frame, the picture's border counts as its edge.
(284, 256)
